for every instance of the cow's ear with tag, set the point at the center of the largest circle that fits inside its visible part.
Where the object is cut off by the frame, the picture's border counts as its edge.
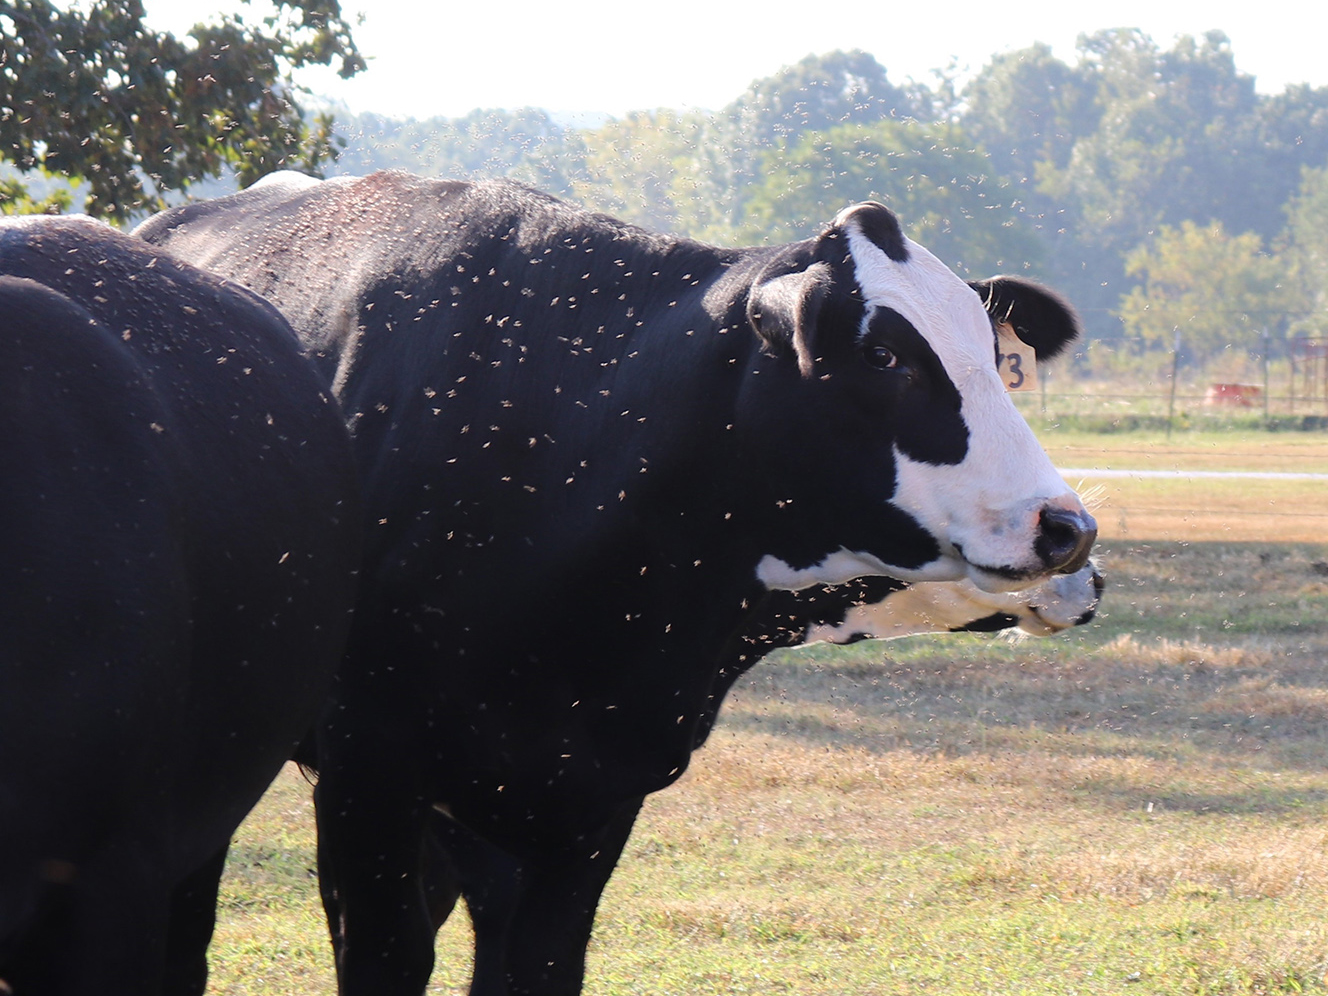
(1039, 316)
(783, 310)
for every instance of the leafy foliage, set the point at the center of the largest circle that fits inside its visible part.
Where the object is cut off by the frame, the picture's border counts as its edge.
(1211, 287)
(821, 93)
(942, 187)
(636, 168)
(1169, 132)
(1028, 109)
(1123, 176)
(1307, 253)
(526, 144)
(19, 197)
(1059, 169)
(818, 94)
(94, 95)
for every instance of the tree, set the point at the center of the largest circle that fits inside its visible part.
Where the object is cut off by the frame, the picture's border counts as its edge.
(637, 168)
(1292, 137)
(820, 93)
(1028, 109)
(526, 144)
(944, 190)
(1172, 139)
(1306, 253)
(95, 96)
(1215, 289)
(1170, 136)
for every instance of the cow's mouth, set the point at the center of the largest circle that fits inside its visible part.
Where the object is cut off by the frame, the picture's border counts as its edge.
(1003, 578)
(997, 581)
(1062, 546)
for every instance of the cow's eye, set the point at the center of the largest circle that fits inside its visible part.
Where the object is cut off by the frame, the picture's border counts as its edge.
(881, 358)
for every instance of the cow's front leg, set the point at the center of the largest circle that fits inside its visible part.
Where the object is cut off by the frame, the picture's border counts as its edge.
(559, 891)
(370, 838)
(460, 863)
(193, 917)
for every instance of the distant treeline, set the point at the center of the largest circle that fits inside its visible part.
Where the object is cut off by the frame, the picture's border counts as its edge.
(1155, 187)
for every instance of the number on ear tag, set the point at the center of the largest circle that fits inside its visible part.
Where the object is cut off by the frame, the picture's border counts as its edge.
(1015, 360)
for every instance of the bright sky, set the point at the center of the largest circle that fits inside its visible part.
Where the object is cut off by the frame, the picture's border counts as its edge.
(617, 55)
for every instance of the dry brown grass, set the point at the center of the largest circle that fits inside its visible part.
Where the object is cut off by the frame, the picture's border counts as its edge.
(1231, 511)
(1300, 452)
(1203, 510)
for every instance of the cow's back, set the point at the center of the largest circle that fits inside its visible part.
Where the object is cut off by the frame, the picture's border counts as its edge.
(487, 345)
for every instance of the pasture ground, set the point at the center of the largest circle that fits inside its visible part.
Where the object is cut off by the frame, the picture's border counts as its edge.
(1138, 807)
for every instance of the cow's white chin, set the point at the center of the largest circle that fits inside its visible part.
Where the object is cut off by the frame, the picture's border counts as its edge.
(844, 565)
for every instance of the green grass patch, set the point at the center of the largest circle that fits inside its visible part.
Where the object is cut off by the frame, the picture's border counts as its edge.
(1184, 421)
(1219, 451)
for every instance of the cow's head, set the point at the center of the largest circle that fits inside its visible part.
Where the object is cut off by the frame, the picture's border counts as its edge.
(899, 397)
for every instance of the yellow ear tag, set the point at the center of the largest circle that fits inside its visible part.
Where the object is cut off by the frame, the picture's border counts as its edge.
(1015, 360)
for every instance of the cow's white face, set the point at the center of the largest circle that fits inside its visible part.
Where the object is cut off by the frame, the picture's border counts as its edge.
(974, 478)
(985, 510)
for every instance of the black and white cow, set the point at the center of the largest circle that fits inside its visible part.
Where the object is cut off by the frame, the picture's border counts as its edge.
(636, 439)
(179, 529)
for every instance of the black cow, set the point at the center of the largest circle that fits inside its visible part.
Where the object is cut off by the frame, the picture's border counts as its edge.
(179, 529)
(589, 453)
(459, 863)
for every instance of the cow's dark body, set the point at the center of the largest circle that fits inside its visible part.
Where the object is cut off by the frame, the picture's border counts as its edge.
(178, 537)
(575, 455)
(461, 864)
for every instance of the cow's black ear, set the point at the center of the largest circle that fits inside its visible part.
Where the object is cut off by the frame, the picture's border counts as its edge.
(783, 309)
(1041, 317)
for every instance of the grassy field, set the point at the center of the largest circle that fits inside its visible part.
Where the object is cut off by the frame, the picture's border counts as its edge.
(1138, 807)
(1207, 509)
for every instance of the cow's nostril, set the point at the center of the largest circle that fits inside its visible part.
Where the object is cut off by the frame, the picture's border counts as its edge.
(1065, 538)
